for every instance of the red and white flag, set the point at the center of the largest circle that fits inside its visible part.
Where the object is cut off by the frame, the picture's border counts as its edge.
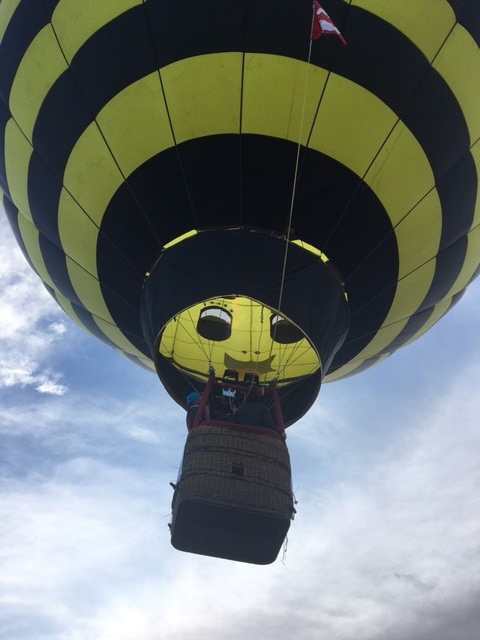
(323, 24)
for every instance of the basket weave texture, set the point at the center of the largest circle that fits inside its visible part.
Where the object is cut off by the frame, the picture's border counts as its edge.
(245, 470)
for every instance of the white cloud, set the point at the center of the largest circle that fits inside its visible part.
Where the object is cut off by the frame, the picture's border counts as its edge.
(30, 323)
(387, 549)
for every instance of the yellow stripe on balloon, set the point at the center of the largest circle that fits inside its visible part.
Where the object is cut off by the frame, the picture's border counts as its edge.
(18, 152)
(41, 66)
(75, 22)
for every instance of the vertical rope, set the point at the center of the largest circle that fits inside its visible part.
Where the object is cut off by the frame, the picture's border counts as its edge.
(295, 173)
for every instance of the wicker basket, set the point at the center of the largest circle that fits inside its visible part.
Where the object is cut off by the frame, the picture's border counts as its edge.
(233, 498)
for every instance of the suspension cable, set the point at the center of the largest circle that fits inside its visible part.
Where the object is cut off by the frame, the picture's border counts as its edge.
(295, 173)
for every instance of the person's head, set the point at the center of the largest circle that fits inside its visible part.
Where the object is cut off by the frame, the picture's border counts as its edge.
(193, 398)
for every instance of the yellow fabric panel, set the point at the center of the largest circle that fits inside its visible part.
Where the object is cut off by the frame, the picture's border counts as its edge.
(419, 233)
(31, 240)
(67, 307)
(203, 95)
(401, 175)
(40, 67)
(76, 21)
(18, 152)
(425, 22)
(7, 9)
(90, 295)
(87, 288)
(274, 90)
(410, 293)
(351, 124)
(78, 234)
(117, 337)
(91, 175)
(459, 63)
(351, 368)
(472, 256)
(147, 362)
(135, 123)
(439, 311)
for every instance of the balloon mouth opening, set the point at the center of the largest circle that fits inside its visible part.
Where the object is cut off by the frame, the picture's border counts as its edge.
(234, 332)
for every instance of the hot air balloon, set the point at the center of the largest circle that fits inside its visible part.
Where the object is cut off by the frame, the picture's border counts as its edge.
(226, 201)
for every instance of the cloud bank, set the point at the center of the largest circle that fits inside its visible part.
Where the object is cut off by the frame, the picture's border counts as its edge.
(30, 326)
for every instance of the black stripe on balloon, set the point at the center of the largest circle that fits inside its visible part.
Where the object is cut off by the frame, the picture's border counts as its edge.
(137, 361)
(12, 216)
(27, 21)
(416, 322)
(362, 329)
(44, 189)
(267, 166)
(458, 193)
(449, 262)
(86, 319)
(4, 118)
(413, 326)
(56, 264)
(457, 297)
(467, 13)
(366, 364)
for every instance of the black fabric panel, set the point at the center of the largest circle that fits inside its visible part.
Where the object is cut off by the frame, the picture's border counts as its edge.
(160, 209)
(457, 297)
(370, 362)
(363, 330)
(449, 264)
(137, 362)
(458, 193)
(44, 190)
(56, 265)
(212, 169)
(414, 324)
(268, 169)
(128, 317)
(104, 66)
(50, 6)
(86, 318)
(29, 18)
(12, 216)
(190, 28)
(468, 15)
(4, 118)
(116, 274)
(61, 120)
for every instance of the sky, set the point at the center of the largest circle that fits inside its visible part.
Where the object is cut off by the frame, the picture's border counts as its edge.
(385, 542)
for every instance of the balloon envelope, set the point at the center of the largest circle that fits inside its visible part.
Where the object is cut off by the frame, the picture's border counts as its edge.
(132, 126)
